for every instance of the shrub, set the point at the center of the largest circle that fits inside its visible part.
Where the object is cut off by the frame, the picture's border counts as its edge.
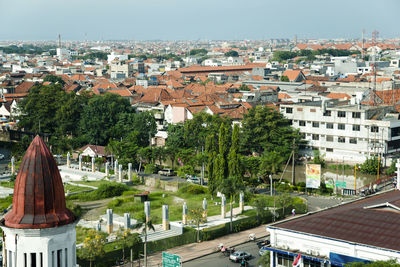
(150, 168)
(185, 170)
(105, 190)
(75, 208)
(193, 189)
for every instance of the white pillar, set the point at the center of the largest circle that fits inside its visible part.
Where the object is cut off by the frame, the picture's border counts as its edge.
(127, 220)
(38, 259)
(147, 211)
(129, 171)
(184, 213)
(120, 173)
(115, 168)
(109, 221)
(241, 202)
(165, 217)
(68, 160)
(223, 207)
(93, 164)
(12, 165)
(28, 260)
(107, 168)
(80, 162)
(205, 208)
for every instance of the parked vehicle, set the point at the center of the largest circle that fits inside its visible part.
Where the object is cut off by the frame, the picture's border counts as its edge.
(1, 156)
(166, 172)
(239, 255)
(263, 243)
(193, 179)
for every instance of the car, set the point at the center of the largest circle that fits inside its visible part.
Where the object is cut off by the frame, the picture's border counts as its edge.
(166, 172)
(193, 179)
(239, 255)
(1, 156)
(263, 243)
(263, 250)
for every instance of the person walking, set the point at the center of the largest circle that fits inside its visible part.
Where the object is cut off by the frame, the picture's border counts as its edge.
(293, 212)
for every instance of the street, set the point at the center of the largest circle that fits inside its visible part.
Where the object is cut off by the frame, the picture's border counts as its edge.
(218, 259)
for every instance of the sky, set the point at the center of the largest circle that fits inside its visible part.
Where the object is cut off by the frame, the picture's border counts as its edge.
(194, 19)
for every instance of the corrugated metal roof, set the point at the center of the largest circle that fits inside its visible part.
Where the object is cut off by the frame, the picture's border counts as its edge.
(352, 222)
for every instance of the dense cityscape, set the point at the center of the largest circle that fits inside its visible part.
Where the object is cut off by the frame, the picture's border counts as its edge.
(234, 152)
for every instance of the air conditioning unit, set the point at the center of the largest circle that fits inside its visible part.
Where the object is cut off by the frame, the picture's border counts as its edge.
(315, 253)
(309, 251)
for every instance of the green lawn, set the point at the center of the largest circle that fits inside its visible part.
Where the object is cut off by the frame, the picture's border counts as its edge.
(7, 184)
(75, 188)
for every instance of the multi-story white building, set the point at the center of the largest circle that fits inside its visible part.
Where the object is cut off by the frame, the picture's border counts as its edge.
(346, 132)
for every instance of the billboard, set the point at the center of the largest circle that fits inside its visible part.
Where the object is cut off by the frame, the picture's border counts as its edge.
(313, 175)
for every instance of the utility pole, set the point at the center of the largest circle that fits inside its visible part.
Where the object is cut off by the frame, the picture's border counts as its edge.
(293, 163)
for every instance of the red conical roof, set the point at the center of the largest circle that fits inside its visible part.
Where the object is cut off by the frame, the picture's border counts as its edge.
(39, 200)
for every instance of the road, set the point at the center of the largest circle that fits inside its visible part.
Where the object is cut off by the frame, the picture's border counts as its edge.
(218, 259)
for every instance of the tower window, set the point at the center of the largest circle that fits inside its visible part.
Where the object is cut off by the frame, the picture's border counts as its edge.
(33, 260)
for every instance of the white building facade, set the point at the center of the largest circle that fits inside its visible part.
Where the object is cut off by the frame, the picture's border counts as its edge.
(345, 132)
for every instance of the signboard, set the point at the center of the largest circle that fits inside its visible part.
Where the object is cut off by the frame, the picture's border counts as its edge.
(171, 260)
(313, 175)
(341, 184)
(329, 183)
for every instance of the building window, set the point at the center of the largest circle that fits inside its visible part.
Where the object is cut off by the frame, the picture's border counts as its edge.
(33, 260)
(59, 257)
(41, 259)
(341, 126)
(374, 129)
(312, 110)
(302, 123)
(356, 127)
(329, 149)
(395, 131)
(25, 260)
(353, 140)
(52, 259)
(299, 109)
(341, 114)
(327, 113)
(315, 124)
(66, 257)
(341, 139)
(289, 110)
(356, 115)
(329, 126)
(285, 260)
(329, 138)
(315, 137)
(311, 263)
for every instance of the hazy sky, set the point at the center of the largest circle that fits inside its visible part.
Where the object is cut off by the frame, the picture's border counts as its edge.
(194, 19)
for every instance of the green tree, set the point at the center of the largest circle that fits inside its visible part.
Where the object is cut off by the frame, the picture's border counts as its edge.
(234, 169)
(100, 116)
(144, 123)
(266, 129)
(232, 53)
(370, 166)
(125, 238)
(196, 217)
(54, 79)
(244, 87)
(264, 260)
(93, 246)
(388, 263)
(38, 109)
(271, 163)
(284, 200)
(319, 159)
(230, 187)
(220, 165)
(284, 78)
(211, 155)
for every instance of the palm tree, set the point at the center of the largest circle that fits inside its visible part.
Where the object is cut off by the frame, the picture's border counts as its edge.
(147, 225)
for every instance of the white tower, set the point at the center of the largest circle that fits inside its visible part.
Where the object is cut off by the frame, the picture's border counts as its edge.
(39, 231)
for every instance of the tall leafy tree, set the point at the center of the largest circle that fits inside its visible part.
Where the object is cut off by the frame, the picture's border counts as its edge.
(211, 152)
(144, 123)
(100, 116)
(233, 156)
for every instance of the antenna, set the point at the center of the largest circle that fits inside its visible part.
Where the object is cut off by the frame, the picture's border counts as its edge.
(375, 35)
(59, 40)
(362, 44)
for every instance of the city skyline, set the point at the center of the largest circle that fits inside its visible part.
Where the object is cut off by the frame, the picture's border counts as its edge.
(208, 20)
